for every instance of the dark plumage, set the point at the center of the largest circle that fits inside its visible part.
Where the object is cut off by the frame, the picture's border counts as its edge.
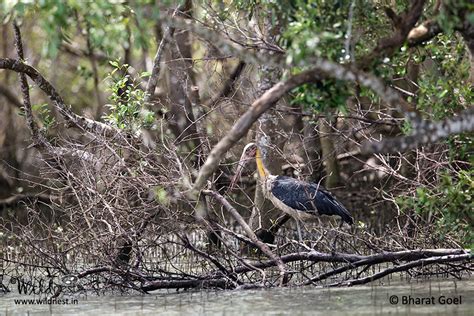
(299, 199)
(308, 197)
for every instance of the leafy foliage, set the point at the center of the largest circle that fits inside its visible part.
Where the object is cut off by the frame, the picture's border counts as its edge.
(127, 111)
(316, 29)
(449, 205)
(461, 148)
(451, 12)
(443, 86)
(330, 94)
(42, 113)
(105, 23)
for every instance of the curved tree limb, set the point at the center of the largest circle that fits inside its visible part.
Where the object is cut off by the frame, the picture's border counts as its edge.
(385, 47)
(94, 127)
(244, 123)
(426, 134)
(321, 69)
(37, 135)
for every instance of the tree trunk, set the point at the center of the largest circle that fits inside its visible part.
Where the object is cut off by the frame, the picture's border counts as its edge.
(181, 119)
(9, 166)
(329, 153)
(409, 84)
(312, 146)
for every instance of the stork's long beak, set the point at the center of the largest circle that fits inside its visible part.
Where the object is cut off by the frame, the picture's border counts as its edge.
(244, 159)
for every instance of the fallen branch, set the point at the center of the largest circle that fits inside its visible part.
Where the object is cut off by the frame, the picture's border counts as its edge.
(404, 267)
(408, 255)
(187, 284)
(315, 256)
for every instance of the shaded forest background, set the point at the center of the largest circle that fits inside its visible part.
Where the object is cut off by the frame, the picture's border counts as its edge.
(135, 115)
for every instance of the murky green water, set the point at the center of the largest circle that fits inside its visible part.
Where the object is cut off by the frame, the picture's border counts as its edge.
(427, 298)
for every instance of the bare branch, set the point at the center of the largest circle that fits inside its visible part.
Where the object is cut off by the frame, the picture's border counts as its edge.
(155, 72)
(428, 133)
(228, 85)
(322, 69)
(38, 137)
(231, 47)
(79, 52)
(14, 199)
(214, 260)
(404, 267)
(262, 246)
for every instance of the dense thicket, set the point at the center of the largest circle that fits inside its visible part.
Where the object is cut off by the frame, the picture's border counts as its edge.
(121, 124)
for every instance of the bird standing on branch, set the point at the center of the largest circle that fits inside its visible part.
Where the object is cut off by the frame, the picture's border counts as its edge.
(301, 200)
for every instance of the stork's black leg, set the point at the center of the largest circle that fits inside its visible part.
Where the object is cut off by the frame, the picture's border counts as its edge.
(340, 225)
(124, 251)
(214, 237)
(267, 236)
(281, 221)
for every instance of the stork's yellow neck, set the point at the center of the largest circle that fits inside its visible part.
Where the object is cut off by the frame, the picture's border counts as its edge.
(260, 167)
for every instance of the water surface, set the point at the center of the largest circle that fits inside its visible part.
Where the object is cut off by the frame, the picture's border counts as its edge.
(425, 298)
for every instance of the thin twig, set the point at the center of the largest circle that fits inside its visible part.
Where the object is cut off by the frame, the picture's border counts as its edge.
(262, 246)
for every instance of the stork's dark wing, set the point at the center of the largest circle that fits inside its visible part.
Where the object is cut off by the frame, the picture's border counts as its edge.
(308, 197)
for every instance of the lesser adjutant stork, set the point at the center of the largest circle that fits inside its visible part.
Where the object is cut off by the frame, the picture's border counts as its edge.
(301, 200)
